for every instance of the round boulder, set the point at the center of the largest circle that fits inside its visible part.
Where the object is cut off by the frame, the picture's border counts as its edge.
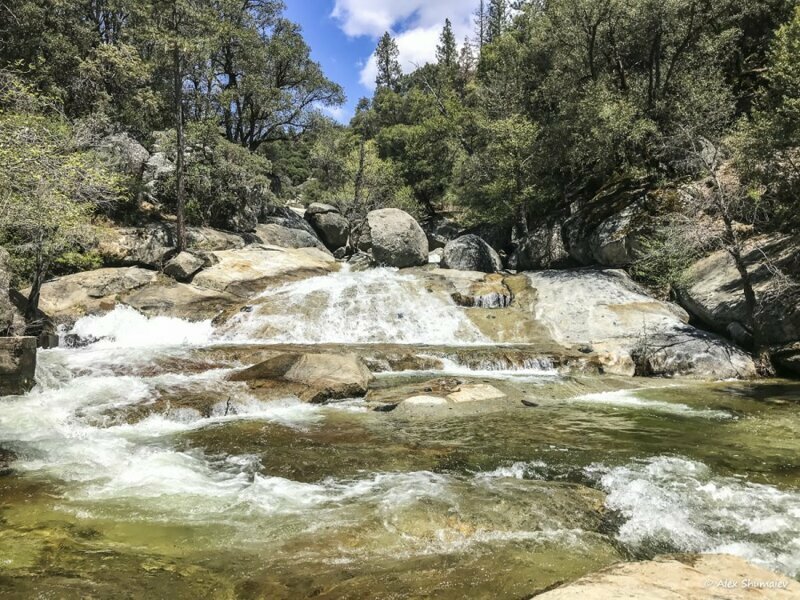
(395, 238)
(471, 253)
(331, 227)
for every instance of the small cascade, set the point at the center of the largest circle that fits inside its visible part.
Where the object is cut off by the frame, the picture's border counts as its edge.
(375, 306)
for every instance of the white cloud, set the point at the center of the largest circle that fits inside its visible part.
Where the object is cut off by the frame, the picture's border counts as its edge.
(338, 113)
(416, 25)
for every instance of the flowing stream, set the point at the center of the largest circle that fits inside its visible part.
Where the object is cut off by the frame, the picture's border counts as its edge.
(137, 470)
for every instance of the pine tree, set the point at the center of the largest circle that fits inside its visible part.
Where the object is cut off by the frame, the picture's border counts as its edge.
(387, 56)
(497, 19)
(481, 22)
(446, 51)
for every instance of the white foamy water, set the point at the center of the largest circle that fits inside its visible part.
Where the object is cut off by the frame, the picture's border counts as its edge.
(375, 306)
(531, 371)
(629, 399)
(680, 504)
(126, 327)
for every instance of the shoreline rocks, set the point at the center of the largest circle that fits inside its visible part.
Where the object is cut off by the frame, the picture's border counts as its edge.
(680, 577)
(17, 365)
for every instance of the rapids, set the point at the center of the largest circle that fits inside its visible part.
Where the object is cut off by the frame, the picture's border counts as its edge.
(137, 470)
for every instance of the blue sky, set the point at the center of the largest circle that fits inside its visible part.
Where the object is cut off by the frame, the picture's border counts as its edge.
(343, 34)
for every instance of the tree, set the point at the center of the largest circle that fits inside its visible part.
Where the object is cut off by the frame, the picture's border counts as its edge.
(497, 16)
(481, 19)
(387, 59)
(446, 51)
(768, 142)
(48, 188)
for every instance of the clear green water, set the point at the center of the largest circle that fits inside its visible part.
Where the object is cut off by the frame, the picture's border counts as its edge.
(120, 489)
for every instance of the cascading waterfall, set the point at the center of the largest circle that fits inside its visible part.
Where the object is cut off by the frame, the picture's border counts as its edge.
(375, 306)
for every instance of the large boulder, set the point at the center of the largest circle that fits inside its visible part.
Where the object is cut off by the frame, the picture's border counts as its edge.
(471, 253)
(682, 577)
(608, 229)
(250, 270)
(285, 237)
(69, 297)
(714, 294)
(312, 377)
(604, 310)
(153, 246)
(542, 249)
(11, 321)
(17, 365)
(331, 227)
(124, 154)
(394, 238)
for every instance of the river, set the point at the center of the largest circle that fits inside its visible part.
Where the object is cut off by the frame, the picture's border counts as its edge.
(137, 470)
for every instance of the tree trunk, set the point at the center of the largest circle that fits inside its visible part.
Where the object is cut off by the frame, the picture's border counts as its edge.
(359, 182)
(180, 201)
(32, 308)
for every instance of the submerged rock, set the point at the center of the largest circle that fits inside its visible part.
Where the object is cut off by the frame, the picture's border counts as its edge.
(17, 365)
(313, 378)
(471, 253)
(682, 577)
(394, 238)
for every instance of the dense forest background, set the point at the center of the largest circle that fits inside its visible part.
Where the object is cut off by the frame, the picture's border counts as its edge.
(552, 106)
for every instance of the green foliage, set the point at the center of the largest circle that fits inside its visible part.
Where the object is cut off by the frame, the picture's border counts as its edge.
(386, 58)
(767, 144)
(349, 173)
(49, 188)
(221, 177)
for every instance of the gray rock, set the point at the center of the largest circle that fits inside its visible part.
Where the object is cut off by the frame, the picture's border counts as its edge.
(714, 295)
(471, 253)
(284, 237)
(72, 296)
(607, 229)
(286, 217)
(165, 297)
(313, 378)
(331, 227)
(250, 270)
(124, 154)
(542, 249)
(631, 331)
(394, 238)
(440, 231)
(149, 247)
(17, 365)
(184, 266)
(11, 321)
